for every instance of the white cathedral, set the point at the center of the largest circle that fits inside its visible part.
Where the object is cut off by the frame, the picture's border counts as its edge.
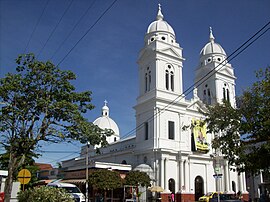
(170, 144)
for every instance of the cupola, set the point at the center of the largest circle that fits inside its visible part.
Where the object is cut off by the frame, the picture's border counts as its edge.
(212, 52)
(105, 122)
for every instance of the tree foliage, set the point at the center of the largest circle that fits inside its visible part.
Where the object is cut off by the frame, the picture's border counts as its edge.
(136, 178)
(244, 132)
(39, 103)
(44, 194)
(104, 179)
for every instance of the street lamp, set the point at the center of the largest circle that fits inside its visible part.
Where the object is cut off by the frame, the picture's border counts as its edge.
(217, 169)
(86, 171)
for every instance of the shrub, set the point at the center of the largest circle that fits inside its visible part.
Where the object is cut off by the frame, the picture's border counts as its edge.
(44, 194)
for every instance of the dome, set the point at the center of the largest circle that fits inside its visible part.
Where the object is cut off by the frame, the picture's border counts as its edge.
(160, 25)
(105, 122)
(211, 47)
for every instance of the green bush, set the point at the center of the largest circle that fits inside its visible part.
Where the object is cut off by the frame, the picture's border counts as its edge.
(44, 194)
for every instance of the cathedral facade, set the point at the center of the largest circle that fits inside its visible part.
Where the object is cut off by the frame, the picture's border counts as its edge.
(171, 144)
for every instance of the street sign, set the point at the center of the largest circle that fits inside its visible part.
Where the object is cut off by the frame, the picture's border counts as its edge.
(217, 176)
(24, 176)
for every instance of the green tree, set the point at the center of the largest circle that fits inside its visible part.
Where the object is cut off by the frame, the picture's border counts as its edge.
(137, 178)
(105, 180)
(244, 131)
(39, 103)
(44, 194)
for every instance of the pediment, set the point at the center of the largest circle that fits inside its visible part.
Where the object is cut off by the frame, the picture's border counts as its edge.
(145, 53)
(197, 105)
(170, 51)
(226, 71)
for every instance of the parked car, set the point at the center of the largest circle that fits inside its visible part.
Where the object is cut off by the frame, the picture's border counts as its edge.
(70, 188)
(207, 196)
(225, 198)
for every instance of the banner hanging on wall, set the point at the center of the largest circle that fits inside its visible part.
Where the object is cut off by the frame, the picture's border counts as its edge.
(200, 137)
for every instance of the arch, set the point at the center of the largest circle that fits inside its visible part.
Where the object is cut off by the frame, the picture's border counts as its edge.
(171, 183)
(199, 187)
(124, 162)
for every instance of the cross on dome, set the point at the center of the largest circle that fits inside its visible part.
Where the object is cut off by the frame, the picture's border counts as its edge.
(159, 15)
(105, 109)
(211, 37)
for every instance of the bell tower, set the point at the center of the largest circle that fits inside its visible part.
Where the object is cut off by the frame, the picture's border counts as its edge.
(214, 75)
(160, 66)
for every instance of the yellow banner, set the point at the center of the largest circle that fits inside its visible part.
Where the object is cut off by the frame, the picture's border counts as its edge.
(200, 138)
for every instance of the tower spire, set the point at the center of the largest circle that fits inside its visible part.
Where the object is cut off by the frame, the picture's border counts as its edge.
(159, 15)
(211, 37)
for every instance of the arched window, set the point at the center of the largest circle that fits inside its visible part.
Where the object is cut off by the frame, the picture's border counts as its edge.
(228, 95)
(172, 81)
(209, 96)
(233, 186)
(224, 94)
(169, 78)
(149, 80)
(145, 78)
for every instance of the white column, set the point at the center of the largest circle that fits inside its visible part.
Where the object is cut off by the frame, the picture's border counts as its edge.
(182, 180)
(162, 172)
(186, 176)
(165, 176)
(226, 176)
(206, 177)
(244, 188)
(240, 183)
(178, 180)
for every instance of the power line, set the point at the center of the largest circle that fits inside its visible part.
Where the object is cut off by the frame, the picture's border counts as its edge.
(82, 16)
(64, 157)
(233, 55)
(55, 27)
(87, 32)
(59, 152)
(31, 36)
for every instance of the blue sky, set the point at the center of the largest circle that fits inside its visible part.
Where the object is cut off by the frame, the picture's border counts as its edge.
(105, 59)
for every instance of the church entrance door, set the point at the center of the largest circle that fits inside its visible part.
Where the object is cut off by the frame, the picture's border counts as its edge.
(199, 189)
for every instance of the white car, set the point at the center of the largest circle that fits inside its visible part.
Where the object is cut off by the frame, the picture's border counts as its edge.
(70, 188)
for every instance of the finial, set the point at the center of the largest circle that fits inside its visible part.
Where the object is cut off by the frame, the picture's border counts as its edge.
(159, 15)
(105, 102)
(211, 38)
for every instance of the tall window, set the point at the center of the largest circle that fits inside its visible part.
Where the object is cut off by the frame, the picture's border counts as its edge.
(226, 93)
(147, 80)
(171, 130)
(146, 130)
(172, 81)
(207, 98)
(169, 78)
(146, 83)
